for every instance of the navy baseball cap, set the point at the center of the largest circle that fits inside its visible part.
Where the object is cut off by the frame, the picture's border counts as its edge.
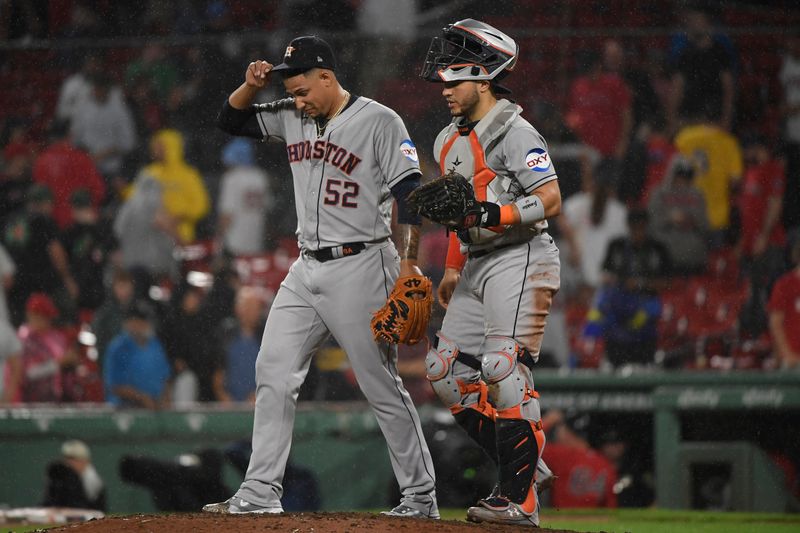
(305, 53)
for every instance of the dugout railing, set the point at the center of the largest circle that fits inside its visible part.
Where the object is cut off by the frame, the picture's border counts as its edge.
(674, 416)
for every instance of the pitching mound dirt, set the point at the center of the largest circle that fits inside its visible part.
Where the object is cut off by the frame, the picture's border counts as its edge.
(290, 523)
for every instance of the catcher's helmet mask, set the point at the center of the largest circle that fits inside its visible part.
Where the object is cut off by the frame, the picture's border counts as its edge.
(470, 50)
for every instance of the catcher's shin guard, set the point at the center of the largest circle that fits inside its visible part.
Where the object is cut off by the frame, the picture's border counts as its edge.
(518, 426)
(481, 428)
(519, 446)
(467, 398)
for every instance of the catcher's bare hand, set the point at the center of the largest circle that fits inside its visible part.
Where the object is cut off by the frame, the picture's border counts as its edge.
(447, 286)
(258, 74)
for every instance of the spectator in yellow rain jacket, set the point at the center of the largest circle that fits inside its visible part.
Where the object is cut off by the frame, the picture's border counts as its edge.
(185, 197)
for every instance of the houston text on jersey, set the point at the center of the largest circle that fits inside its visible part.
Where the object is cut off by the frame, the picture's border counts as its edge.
(332, 153)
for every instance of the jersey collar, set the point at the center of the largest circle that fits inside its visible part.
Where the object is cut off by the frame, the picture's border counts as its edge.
(322, 123)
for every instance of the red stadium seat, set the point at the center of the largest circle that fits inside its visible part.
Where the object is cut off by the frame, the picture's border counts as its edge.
(723, 267)
(196, 256)
(752, 354)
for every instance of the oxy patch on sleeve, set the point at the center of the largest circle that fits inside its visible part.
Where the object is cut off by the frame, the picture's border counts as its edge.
(538, 160)
(409, 150)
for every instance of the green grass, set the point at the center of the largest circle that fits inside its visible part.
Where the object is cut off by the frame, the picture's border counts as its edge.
(628, 521)
(663, 521)
(21, 529)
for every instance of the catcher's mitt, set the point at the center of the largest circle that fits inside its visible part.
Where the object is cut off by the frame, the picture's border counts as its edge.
(446, 200)
(450, 200)
(404, 317)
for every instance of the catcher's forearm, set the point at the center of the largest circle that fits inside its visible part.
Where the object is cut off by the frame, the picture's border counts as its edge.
(544, 202)
(450, 200)
(455, 259)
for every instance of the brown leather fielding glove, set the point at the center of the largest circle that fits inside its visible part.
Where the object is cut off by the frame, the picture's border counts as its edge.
(404, 318)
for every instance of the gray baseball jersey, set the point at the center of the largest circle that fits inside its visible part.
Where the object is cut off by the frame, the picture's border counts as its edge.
(342, 179)
(342, 184)
(506, 158)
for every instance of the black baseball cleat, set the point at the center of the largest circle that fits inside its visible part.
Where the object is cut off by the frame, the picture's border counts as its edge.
(499, 510)
(541, 486)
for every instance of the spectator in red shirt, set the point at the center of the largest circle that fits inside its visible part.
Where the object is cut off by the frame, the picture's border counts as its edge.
(761, 199)
(585, 477)
(659, 152)
(43, 349)
(599, 109)
(762, 239)
(784, 313)
(65, 168)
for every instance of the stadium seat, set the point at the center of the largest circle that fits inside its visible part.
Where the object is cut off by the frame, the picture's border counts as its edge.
(196, 256)
(752, 354)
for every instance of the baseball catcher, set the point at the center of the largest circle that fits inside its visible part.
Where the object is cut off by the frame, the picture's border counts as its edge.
(404, 318)
(497, 189)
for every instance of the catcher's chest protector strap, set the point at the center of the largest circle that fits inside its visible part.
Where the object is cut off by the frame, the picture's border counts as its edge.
(470, 150)
(489, 130)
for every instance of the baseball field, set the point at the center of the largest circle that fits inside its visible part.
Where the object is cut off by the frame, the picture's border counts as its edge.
(594, 520)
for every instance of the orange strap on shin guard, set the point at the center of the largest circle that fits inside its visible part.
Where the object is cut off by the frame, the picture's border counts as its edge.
(482, 405)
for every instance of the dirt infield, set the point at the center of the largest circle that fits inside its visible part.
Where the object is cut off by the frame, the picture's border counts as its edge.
(290, 523)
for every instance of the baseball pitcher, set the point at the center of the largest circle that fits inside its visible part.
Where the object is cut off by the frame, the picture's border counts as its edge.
(350, 158)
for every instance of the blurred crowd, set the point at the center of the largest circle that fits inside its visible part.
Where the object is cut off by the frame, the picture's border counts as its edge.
(140, 248)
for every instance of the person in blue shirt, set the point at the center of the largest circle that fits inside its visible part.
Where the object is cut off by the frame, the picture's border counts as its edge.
(136, 371)
(237, 381)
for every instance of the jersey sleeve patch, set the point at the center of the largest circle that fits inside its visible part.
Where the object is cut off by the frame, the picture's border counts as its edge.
(408, 149)
(538, 160)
